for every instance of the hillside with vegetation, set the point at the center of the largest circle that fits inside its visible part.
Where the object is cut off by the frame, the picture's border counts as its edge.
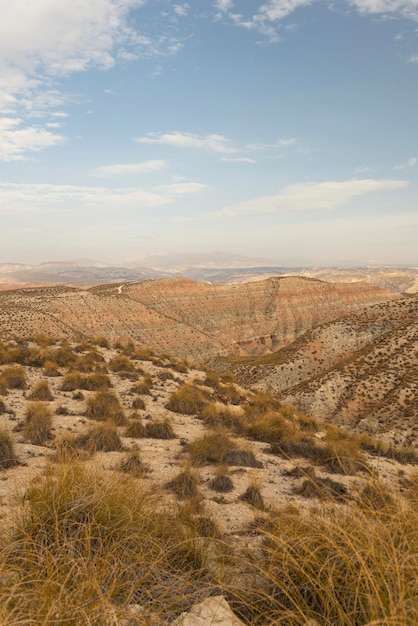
(138, 488)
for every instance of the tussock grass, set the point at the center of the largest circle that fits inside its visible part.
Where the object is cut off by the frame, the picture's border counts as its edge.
(41, 391)
(38, 423)
(104, 405)
(132, 464)
(7, 451)
(136, 430)
(214, 415)
(222, 483)
(142, 389)
(252, 495)
(188, 399)
(261, 403)
(184, 485)
(101, 438)
(87, 544)
(2, 407)
(13, 377)
(217, 447)
(50, 369)
(345, 566)
(138, 404)
(121, 363)
(160, 430)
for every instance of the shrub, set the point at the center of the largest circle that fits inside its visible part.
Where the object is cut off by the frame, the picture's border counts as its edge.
(38, 423)
(184, 485)
(188, 399)
(71, 381)
(105, 405)
(221, 483)
(121, 363)
(136, 430)
(253, 496)
(51, 369)
(159, 430)
(133, 465)
(7, 452)
(13, 377)
(138, 403)
(217, 447)
(141, 389)
(100, 438)
(41, 391)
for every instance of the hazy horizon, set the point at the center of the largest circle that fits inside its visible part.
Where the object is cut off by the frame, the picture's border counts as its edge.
(281, 129)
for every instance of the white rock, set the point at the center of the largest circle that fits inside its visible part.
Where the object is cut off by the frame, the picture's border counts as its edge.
(213, 611)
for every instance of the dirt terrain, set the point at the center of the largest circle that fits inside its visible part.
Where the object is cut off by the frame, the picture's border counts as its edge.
(186, 318)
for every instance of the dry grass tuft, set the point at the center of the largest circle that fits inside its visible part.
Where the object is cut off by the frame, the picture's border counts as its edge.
(184, 485)
(217, 447)
(38, 423)
(253, 496)
(344, 565)
(87, 544)
(133, 465)
(104, 405)
(222, 483)
(159, 430)
(41, 391)
(101, 438)
(7, 452)
(13, 377)
(188, 399)
(136, 430)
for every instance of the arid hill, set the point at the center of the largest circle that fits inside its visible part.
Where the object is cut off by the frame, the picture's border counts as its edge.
(186, 318)
(360, 371)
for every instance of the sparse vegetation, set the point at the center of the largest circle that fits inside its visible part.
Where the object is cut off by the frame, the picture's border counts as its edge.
(41, 391)
(13, 377)
(159, 430)
(188, 399)
(38, 423)
(7, 450)
(105, 405)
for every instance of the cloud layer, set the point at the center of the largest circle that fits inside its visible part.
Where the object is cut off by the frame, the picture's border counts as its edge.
(311, 197)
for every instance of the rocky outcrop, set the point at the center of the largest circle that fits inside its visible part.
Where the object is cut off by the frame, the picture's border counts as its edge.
(186, 318)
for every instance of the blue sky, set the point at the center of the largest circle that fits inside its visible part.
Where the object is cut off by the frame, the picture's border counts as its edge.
(283, 129)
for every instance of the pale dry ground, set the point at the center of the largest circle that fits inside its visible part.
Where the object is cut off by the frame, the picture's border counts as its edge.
(164, 458)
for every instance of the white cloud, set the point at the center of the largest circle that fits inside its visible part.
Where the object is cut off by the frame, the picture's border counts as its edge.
(182, 189)
(224, 5)
(407, 8)
(409, 163)
(14, 142)
(215, 143)
(280, 143)
(413, 59)
(238, 160)
(182, 9)
(267, 18)
(311, 197)
(129, 168)
(41, 198)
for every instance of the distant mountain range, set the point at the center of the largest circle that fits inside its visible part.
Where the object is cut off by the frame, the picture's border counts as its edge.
(218, 270)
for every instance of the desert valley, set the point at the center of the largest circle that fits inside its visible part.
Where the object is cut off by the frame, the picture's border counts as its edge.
(172, 451)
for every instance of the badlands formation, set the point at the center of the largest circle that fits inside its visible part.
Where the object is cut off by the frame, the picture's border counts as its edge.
(141, 489)
(185, 318)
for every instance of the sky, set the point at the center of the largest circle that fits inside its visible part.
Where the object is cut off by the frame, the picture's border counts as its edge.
(277, 129)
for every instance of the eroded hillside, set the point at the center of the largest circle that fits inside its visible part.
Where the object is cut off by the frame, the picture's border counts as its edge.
(186, 318)
(360, 371)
